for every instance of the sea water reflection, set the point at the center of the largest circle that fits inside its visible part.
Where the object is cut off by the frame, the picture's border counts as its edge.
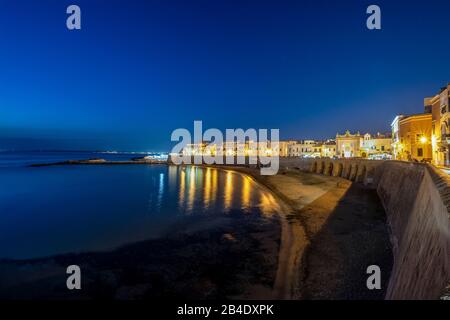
(52, 210)
(205, 189)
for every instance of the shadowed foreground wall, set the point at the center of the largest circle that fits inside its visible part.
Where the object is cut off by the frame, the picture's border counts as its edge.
(416, 198)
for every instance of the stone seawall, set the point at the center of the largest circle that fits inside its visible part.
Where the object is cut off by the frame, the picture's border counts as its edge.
(416, 198)
(358, 170)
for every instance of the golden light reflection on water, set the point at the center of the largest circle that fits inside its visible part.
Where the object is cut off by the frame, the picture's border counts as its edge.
(192, 188)
(228, 190)
(207, 190)
(214, 186)
(268, 203)
(232, 189)
(182, 188)
(246, 191)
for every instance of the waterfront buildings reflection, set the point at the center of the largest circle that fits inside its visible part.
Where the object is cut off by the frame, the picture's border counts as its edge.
(246, 192)
(207, 196)
(205, 189)
(228, 190)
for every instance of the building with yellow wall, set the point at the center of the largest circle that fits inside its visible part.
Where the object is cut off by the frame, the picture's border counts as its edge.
(328, 149)
(303, 148)
(348, 145)
(438, 105)
(284, 147)
(378, 145)
(316, 151)
(412, 137)
(231, 148)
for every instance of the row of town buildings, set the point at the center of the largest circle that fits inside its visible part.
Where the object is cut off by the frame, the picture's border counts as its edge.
(417, 137)
(346, 145)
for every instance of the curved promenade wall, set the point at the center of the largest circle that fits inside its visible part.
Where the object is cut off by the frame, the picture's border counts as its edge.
(416, 198)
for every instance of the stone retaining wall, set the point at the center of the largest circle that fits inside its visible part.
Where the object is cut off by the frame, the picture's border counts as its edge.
(416, 198)
(359, 170)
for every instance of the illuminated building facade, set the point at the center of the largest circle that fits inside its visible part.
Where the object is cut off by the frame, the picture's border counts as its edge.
(396, 145)
(412, 137)
(304, 148)
(328, 149)
(376, 146)
(317, 150)
(348, 145)
(438, 105)
(228, 148)
(284, 147)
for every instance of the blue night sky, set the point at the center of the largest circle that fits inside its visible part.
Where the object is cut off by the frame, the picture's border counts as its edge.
(139, 69)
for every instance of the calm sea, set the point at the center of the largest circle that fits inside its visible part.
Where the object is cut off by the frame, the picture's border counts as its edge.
(61, 209)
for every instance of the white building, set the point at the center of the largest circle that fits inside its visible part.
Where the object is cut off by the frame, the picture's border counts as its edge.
(304, 148)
